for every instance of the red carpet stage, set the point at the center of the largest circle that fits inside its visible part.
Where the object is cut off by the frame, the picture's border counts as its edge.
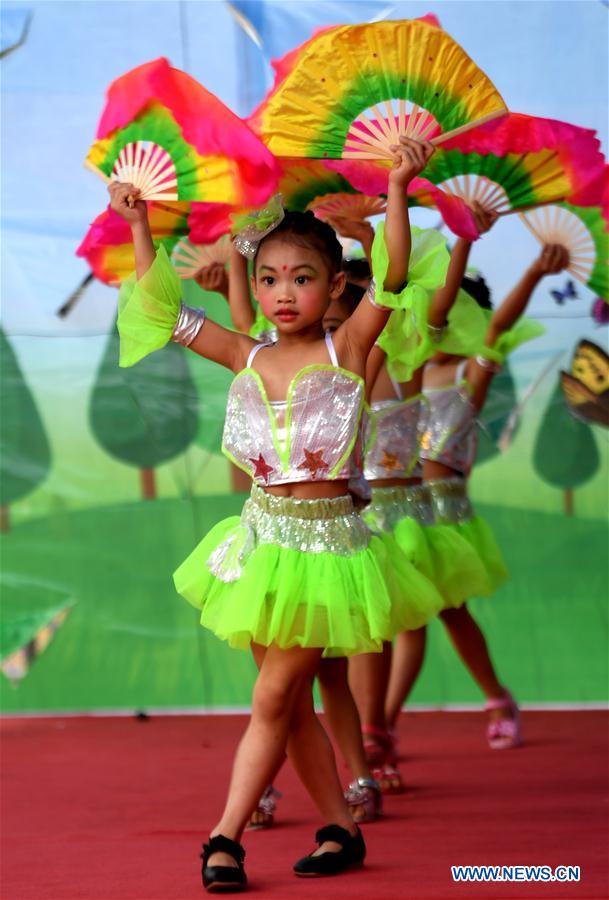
(115, 808)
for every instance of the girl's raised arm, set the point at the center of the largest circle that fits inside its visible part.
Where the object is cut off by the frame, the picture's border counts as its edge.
(362, 329)
(479, 372)
(239, 299)
(444, 298)
(150, 309)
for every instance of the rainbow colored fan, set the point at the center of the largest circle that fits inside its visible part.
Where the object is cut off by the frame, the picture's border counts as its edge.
(302, 181)
(517, 163)
(372, 179)
(188, 258)
(583, 231)
(108, 244)
(303, 184)
(350, 91)
(162, 131)
(511, 164)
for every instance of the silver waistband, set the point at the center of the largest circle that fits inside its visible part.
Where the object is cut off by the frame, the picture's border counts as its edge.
(449, 501)
(391, 504)
(309, 526)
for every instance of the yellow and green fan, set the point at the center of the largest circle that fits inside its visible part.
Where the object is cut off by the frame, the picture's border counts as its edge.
(188, 259)
(108, 244)
(310, 184)
(519, 162)
(164, 132)
(353, 89)
(304, 184)
(302, 181)
(583, 231)
(151, 153)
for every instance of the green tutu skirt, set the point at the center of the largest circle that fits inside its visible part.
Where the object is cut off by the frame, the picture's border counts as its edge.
(434, 526)
(305, 573)
(401, 516)
(467, 560)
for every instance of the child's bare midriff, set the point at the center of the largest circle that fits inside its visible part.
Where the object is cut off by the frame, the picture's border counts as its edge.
(311, 490)
(436, 471)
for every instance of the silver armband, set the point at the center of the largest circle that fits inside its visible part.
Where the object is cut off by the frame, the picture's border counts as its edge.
(436, 332)
(371, 296)
(488, 364)
(188, 325)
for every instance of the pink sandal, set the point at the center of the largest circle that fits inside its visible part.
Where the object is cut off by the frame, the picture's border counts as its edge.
(504, 734)
(265, 811)
(391, 779)
(376, 744)
(379, 749)
(364, 794)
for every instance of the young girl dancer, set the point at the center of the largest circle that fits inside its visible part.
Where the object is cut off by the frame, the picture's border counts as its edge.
(363, 794)
(398, 506)
(299, 574)
(370, 673)
(455, 388)
(402, 506)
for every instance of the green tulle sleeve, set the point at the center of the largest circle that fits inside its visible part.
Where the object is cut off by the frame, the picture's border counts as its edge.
(524, 330)
(148, 310)
(407, 327)
(465, 334)
(429, 258)
(466, 327)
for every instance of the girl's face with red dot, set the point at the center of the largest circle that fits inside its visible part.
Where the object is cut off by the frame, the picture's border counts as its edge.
(293, 285)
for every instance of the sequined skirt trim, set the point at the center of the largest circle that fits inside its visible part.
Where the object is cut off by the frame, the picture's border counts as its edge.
(304, 573)
(389, 505)
(310, 526)
(467, 560)
(449, 501)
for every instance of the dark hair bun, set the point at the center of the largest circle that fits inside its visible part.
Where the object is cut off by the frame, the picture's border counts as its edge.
(477, 288)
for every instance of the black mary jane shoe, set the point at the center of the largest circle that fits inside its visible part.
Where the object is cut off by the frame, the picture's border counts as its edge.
(352, 853)
(223, 879)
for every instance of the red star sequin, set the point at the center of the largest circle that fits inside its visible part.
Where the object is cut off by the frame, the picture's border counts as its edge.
(262, 468)
(313, 462)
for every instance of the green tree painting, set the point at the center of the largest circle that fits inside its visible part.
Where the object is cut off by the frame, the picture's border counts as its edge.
(25, 455)
(147, 414)
(565, 453)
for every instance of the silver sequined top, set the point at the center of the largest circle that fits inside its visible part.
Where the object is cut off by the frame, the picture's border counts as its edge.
(392, 437)
(311, 436)
(451, 435)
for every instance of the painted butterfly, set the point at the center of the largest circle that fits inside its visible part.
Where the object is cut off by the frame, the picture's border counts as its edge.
(567, 293)
(586, 386)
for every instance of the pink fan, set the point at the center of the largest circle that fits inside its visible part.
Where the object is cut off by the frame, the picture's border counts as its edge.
(509, 165)
(347, 206)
